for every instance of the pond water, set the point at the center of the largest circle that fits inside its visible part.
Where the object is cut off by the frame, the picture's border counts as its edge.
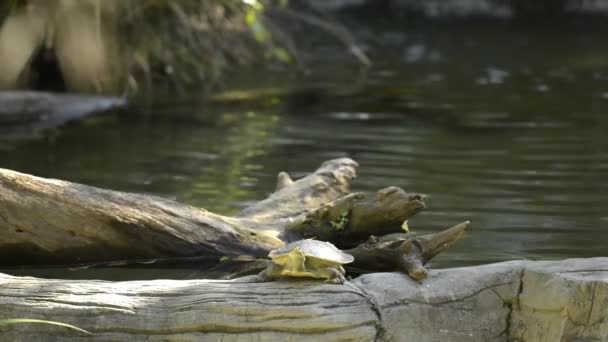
(498, 123)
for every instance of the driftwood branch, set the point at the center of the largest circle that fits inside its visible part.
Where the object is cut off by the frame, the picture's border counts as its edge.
(46, 221)
(328, 183)
(406, 255)
(283, 180)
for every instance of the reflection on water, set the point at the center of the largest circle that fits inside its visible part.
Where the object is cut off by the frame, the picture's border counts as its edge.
(503, 128)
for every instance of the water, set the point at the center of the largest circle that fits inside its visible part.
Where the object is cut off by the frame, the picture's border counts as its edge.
(497, 124)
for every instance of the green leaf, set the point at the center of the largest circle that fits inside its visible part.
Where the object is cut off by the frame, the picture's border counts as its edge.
(280, 54)
(13, 321)
(259, 31)
(250, 17)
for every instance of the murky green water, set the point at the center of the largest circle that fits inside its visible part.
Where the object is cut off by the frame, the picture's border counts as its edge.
(499, 124)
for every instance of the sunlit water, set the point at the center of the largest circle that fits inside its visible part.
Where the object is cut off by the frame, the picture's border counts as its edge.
(503, 126)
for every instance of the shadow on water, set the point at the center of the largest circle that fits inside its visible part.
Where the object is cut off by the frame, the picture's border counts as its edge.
(499, 124)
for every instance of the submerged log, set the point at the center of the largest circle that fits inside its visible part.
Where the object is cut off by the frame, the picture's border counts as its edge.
(25, 112)
(518, 300)
(46, 221)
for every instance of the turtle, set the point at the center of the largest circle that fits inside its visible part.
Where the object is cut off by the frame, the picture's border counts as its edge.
(307, 258)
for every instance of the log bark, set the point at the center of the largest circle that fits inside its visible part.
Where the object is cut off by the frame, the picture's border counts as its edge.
(55, 222)
(46, 221)
(519, 300)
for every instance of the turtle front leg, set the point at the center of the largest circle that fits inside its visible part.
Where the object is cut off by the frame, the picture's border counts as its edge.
(334, 275)
(272, 272)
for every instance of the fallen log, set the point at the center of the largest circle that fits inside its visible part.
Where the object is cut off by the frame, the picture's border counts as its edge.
(519, 300)
(45, 221)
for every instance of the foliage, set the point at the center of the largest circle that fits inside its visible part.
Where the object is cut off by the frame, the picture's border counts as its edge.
(260, 32)
(191, 41)
(341, 221)
(136, 46)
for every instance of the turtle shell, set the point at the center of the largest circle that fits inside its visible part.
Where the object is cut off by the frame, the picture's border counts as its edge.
(316, 249)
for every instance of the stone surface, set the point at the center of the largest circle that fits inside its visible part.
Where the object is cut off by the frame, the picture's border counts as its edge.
(563, 301)
(460, 304)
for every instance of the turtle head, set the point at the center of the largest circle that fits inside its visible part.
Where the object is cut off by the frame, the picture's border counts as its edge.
(293, 260)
